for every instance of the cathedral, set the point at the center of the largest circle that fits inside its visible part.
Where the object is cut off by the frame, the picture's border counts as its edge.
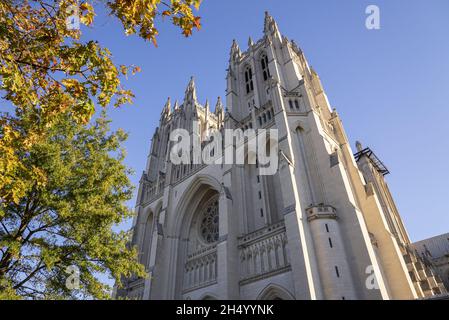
(323, 226)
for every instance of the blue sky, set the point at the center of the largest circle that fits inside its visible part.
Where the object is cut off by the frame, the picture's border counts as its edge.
(390, 86)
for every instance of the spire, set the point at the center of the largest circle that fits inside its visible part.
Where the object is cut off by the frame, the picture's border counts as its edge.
(295, 46)
(235, 51)
(190, 93)
(250, 42)
(358, 146)
(219, 112)
(207, 109)
(270, 25)
(167, 108)
(218, 106)
(176, 107)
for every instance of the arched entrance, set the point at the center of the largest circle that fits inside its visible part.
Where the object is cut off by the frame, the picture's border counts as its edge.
(198, 235)
(200, 263)
(275, 292)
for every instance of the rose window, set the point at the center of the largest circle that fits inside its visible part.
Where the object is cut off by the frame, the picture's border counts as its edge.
(209, 221)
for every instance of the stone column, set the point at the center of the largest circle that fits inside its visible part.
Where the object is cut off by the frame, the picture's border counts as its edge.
(302, 259)
(155, 244)
(227, 255)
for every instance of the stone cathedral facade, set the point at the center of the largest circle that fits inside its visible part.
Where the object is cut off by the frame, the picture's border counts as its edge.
(325, 226)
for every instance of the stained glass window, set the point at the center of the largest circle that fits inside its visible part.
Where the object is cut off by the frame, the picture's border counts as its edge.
(209, 221)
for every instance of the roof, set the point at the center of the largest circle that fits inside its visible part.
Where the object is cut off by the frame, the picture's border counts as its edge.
(434, 247)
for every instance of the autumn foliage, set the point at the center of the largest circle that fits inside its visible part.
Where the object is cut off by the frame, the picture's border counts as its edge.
(52, 80)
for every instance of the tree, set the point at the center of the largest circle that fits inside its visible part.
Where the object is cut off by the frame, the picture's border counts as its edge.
(66, 224)
(60, 190)
(46, 69)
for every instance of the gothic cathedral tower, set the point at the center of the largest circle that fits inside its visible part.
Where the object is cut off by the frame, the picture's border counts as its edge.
(324, 226)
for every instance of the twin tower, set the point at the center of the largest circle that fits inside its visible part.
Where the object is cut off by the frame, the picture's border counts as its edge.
(324, 226)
